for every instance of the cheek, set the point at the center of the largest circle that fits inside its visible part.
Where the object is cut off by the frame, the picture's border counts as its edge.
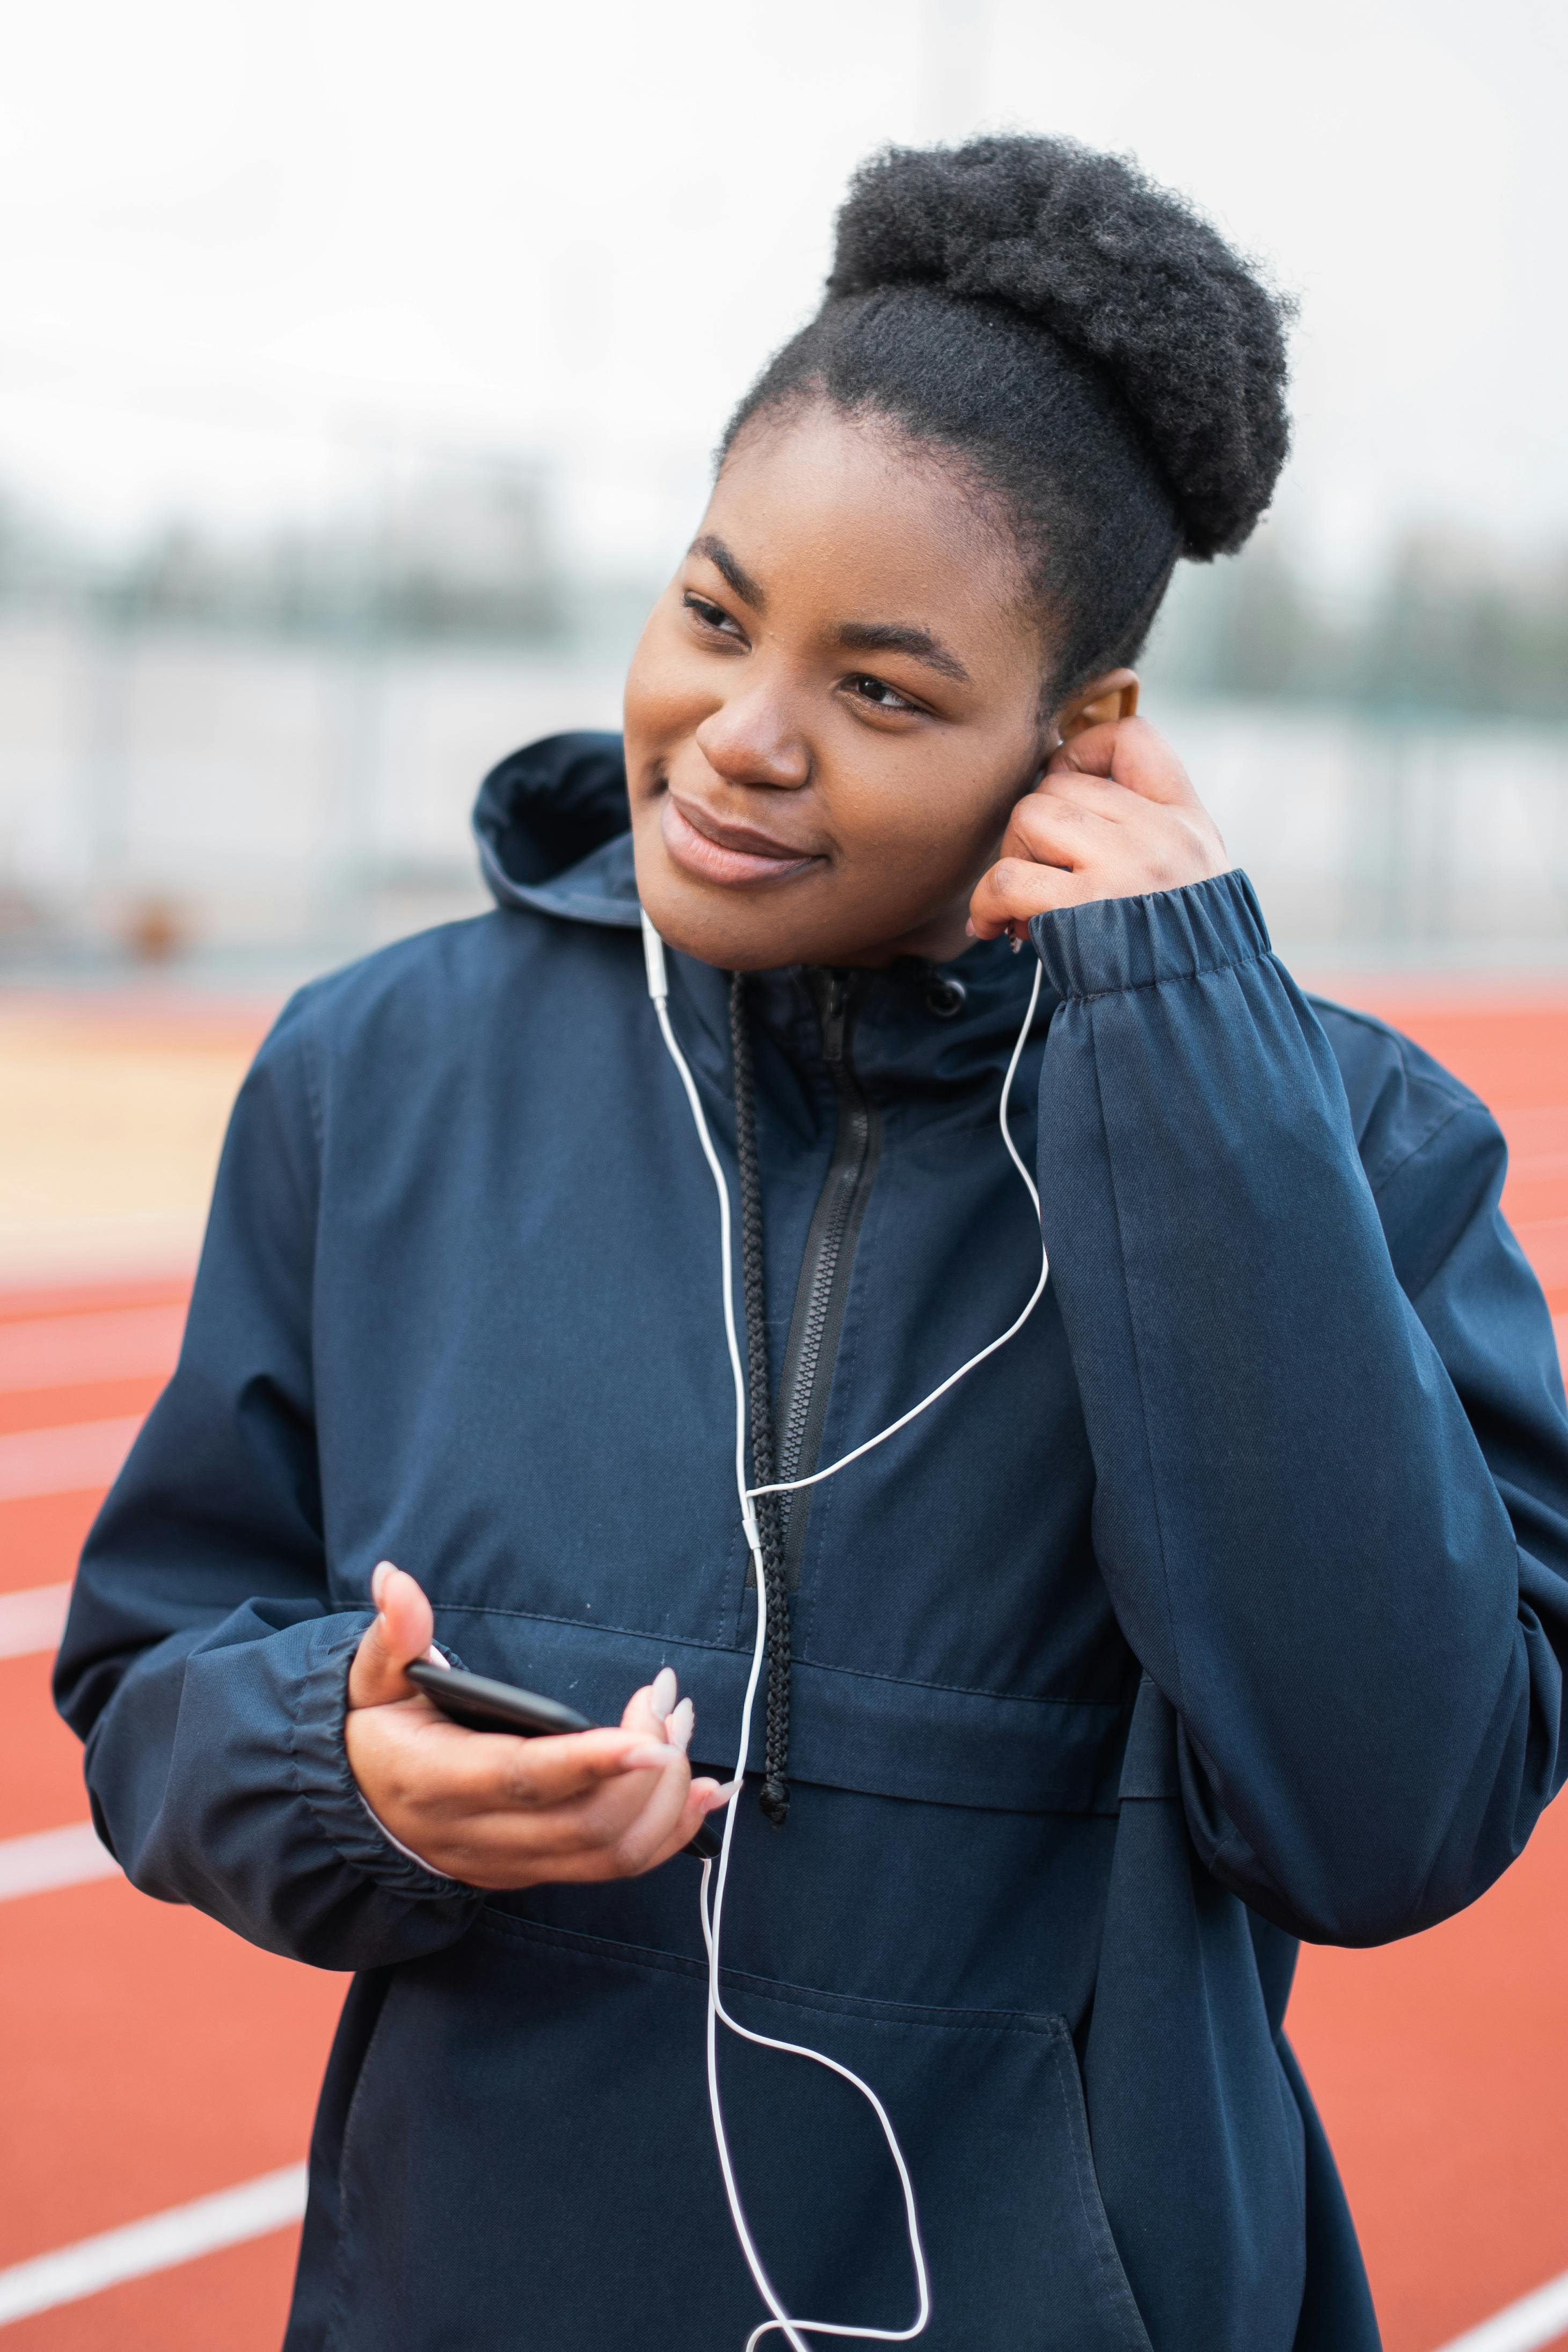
(663, 702)
(941, 814)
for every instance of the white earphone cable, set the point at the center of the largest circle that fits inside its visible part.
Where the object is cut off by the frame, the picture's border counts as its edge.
(789, 1485)
(781, 2320)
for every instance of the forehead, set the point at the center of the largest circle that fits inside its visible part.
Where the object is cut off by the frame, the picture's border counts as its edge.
(837, 519)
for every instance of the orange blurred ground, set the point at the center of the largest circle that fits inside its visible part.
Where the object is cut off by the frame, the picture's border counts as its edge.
(152, 2057)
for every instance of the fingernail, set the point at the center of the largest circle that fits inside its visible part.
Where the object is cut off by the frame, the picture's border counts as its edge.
(436, 1658)
(379, 1575)
(969, 928)
(662, 1695)
(725, 1794)
(648, 1754)
(678, 1729)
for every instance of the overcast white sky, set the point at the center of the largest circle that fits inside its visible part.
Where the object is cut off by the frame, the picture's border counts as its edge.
(247, 244)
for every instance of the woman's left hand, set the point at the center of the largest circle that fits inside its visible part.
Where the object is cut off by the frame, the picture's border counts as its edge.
(1114, 815)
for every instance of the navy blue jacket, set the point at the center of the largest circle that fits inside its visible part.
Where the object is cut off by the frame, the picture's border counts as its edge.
(1226, 1606)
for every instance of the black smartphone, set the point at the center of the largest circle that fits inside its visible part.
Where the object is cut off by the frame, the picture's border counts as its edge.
(481, 1705)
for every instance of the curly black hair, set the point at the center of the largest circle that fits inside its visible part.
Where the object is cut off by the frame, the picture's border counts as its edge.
(1088, 348)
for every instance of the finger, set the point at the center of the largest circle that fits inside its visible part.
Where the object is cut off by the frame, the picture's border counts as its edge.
(1090, 753)
(578, 1841)
(626, 1822)
(1061, 828)
(402, 1629)
(553, 1772)
(501, 1850)
(1015, 889)
(1129, 751)
(659, 1830)
(439, 1765)
(659, 1827)
(647, 1710)
(1072, 788)
(673, 1717)
(704, 1797)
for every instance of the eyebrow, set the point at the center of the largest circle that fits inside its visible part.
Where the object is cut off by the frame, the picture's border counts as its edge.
(893, 638)
(734, 573)
(855, 637)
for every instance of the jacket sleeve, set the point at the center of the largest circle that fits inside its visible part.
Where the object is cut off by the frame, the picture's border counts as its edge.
(1328, 1428)
(204, 1663)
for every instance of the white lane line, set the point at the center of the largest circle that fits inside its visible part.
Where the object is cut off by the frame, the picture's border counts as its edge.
(51, 1351)
(254, 2210)
(33, 1618)
(50, 1858)
(66, 1461)
(1524, 2327)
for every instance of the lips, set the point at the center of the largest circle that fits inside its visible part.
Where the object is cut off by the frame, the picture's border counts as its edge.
(706, 846)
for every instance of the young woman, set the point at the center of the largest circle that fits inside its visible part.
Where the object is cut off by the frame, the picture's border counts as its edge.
(1224, 1605)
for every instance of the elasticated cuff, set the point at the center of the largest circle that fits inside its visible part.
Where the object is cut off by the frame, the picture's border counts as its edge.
(326, 1782)
(1114, 944)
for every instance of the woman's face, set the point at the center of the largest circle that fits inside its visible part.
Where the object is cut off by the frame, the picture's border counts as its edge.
(833, 708)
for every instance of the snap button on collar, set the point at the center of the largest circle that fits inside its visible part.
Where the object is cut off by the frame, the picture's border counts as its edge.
(944, 996)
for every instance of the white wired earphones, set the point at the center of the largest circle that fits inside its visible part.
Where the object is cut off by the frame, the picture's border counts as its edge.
(787, 2325)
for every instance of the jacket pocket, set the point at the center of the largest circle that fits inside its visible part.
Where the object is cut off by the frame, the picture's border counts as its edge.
(530, 2164)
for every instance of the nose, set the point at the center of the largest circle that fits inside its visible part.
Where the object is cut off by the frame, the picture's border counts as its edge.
(750, 740)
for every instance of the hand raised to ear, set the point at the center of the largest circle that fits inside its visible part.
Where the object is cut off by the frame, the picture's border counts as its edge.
(1113, 816)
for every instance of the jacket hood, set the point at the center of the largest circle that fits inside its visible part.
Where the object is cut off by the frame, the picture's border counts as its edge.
(554, 829)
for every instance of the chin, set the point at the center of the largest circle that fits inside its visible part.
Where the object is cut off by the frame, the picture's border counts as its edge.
(739, 930)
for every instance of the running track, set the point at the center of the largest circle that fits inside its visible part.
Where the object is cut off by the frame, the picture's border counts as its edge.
(152, 2062)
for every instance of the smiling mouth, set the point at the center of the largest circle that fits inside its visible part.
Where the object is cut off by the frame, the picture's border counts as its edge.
(733, 853)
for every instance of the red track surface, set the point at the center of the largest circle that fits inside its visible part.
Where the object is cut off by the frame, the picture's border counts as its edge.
(150, 2057)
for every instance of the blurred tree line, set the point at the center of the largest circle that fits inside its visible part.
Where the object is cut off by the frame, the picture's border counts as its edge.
(1447, 623)
(460, 553)
(465, 552)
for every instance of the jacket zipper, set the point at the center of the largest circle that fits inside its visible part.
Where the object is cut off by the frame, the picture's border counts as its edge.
(817, 1319)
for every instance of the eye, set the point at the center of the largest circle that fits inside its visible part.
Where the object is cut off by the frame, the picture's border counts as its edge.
(878, 694)
(711, 616)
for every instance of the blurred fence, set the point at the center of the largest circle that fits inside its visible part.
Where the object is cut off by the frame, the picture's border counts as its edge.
(232, 800)
(1390, 837)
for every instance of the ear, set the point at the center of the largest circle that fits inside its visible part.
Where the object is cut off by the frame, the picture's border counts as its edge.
(1099, 704)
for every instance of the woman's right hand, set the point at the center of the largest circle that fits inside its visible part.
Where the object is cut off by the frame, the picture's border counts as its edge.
(497, 1811)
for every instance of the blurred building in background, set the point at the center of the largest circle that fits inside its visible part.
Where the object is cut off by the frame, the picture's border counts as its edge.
(346, 431)
(1388, 760)
(242, 757)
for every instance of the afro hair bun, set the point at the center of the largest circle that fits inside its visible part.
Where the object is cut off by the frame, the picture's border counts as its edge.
(1112, 267)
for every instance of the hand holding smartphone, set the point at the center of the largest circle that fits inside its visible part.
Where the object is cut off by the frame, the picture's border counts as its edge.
(600, 1804)
(481, 1705)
